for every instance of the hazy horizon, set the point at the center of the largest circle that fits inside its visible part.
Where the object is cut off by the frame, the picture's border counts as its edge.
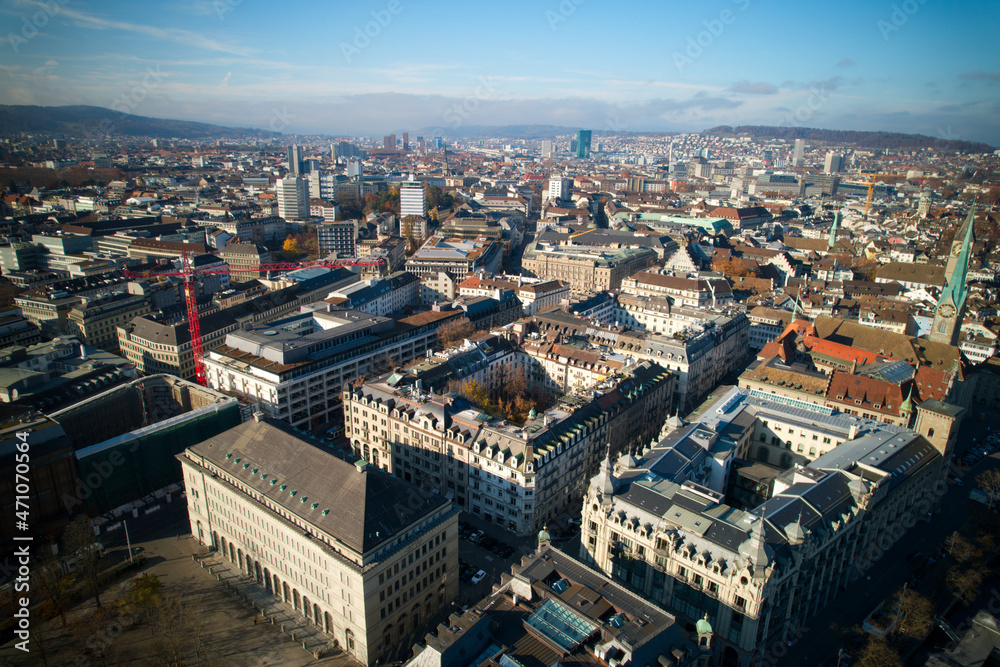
(633, 66)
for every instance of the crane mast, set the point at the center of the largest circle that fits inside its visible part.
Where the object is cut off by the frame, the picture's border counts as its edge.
(190, 275)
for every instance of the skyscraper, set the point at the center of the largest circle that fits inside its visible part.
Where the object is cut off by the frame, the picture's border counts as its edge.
(345, 149)
(412, 199)
(546, 149)
(800, 147)
(834, 163)
(292, 194)
(583, 144)
(389, 142)
(406, 141)
(420, 144)
(295, 159)
(438, 142)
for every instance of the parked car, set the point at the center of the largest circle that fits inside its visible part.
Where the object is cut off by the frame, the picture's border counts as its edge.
(479, 576)
(476, 536)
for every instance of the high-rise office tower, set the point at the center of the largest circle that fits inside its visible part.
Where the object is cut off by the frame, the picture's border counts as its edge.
(292, 194)
(389, 142)
(412, 199)
(406, 141)
(295, 159)
(438, 142)
(420, 144)
(800, 148)
(834, 163)
(583, 144)
(345, 149)
(546, 149)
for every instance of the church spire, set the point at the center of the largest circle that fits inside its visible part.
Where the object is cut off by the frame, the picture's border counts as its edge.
(834, 228)
(951, 305)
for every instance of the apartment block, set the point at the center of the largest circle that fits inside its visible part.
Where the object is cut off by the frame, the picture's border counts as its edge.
(516, 476)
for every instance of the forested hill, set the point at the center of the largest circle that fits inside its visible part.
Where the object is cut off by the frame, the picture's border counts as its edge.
(855, 138)
(84, 120)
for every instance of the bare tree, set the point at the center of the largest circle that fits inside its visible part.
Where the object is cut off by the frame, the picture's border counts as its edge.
(177, 630)
(989, 483)
(52, 581)
(914, 613)
(454, 331)
(878, 653)
(81, 544)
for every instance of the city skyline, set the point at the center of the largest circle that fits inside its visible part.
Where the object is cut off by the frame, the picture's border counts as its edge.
(393, 66)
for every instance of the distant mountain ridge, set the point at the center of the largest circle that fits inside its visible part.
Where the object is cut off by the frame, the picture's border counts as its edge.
(84, 120)
(857, 138)
(484, 131)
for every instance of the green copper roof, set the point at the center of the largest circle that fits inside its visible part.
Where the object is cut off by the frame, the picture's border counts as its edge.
(955, 291)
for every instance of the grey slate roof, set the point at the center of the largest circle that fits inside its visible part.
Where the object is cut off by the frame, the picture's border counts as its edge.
(366, 509)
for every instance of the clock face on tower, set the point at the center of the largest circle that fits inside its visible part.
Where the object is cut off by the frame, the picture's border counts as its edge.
(947, 310)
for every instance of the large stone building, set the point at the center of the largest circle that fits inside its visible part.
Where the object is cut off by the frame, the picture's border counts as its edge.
(296, 367)
(96, 321)
(244, 260)
(712, 292)
(662, 526)
(161, 343)
(363, 555)
(585, 269)
(457, 257)
(700, 358)
(516, 476)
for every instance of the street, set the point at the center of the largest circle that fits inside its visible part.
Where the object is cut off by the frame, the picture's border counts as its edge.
(818, 645)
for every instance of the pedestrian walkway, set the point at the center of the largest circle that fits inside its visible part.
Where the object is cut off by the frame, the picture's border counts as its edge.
(272, 610)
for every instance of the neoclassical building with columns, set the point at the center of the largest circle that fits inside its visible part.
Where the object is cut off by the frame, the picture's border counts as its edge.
(363, 555)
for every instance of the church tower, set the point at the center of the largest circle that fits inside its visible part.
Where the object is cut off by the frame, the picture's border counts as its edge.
(834, 228)
(951, 305)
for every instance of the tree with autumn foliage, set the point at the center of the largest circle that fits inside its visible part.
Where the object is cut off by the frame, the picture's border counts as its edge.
(733, 268)
(507, 394)
(290, 249)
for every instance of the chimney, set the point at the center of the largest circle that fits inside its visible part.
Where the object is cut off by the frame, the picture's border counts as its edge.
(258, 416)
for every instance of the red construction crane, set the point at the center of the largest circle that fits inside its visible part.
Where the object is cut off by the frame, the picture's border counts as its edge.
(191, 274)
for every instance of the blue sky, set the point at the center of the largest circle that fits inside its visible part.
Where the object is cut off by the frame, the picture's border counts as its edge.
(369, 68)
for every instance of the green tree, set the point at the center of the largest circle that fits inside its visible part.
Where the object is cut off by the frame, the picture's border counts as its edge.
(142, 595)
